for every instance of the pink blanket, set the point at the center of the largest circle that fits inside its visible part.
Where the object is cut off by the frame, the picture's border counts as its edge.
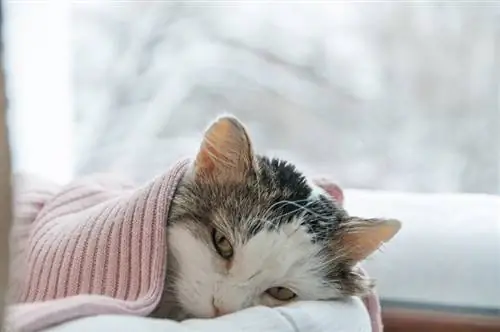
(95, 246)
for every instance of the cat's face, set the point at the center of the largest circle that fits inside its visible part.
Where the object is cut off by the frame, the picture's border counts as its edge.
(245, 230)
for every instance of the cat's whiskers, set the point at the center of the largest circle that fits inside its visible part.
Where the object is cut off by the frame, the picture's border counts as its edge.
(329, 259)
(269, 211)
(305, 208)
(272, 221)
(284, 202)
(326, 218)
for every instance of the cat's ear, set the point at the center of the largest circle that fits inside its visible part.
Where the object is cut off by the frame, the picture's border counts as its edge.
(331, 189)
(226, 152)
(362, 237)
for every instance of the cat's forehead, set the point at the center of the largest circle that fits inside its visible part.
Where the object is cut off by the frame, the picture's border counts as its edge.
(279, 195)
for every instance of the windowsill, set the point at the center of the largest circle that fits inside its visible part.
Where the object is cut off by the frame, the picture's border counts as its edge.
(417, 320)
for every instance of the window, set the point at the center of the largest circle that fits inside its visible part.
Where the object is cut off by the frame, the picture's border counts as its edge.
(391, 97)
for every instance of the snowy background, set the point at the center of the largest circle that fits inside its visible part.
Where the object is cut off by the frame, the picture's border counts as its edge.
(388, 95)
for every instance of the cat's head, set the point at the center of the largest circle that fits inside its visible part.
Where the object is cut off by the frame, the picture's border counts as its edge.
(247, 230)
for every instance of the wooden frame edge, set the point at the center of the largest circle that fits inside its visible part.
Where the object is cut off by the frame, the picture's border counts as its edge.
(413, 320)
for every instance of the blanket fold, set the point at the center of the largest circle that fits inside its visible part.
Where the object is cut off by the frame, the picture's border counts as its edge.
(95, 247)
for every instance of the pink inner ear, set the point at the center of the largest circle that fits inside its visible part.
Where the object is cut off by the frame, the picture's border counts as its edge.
(331, 188)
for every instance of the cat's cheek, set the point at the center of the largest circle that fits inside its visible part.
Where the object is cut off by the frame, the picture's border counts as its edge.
(195, 275)
(192, 300)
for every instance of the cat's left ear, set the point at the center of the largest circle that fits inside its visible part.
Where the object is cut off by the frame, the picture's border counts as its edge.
(362, 237)
(331, 189)
(226, 153)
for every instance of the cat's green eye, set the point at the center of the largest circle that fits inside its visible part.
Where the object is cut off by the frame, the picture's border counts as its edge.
(281, 294)
(222, 245)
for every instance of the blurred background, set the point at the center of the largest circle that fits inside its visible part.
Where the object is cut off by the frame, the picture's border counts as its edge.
(399, 96)
(395, 96)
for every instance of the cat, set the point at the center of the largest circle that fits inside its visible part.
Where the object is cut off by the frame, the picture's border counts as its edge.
(247, 230)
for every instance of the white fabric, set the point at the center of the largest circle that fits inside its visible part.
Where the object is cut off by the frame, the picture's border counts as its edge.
(447, 252)
(305, 316)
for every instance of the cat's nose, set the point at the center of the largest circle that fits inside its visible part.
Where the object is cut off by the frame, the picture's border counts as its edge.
(219, 312)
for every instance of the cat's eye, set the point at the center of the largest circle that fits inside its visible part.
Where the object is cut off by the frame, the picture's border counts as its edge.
(281, 293)
(222, 245)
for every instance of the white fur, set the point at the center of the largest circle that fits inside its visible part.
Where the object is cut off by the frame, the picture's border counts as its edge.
(286, 258)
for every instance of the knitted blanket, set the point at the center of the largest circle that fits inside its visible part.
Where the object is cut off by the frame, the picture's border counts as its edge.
(96, 246)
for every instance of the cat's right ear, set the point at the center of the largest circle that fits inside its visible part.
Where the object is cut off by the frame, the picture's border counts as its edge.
(362, 236)
(226, 153)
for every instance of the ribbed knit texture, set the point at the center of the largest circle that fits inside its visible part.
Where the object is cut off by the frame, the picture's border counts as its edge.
(96, 246)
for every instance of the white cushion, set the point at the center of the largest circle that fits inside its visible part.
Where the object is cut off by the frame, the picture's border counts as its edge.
(305, 316)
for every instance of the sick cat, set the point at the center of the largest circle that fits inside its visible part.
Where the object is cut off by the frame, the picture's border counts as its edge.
(246, 230)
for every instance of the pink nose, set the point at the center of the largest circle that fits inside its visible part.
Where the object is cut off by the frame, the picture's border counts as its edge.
(219, 312)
